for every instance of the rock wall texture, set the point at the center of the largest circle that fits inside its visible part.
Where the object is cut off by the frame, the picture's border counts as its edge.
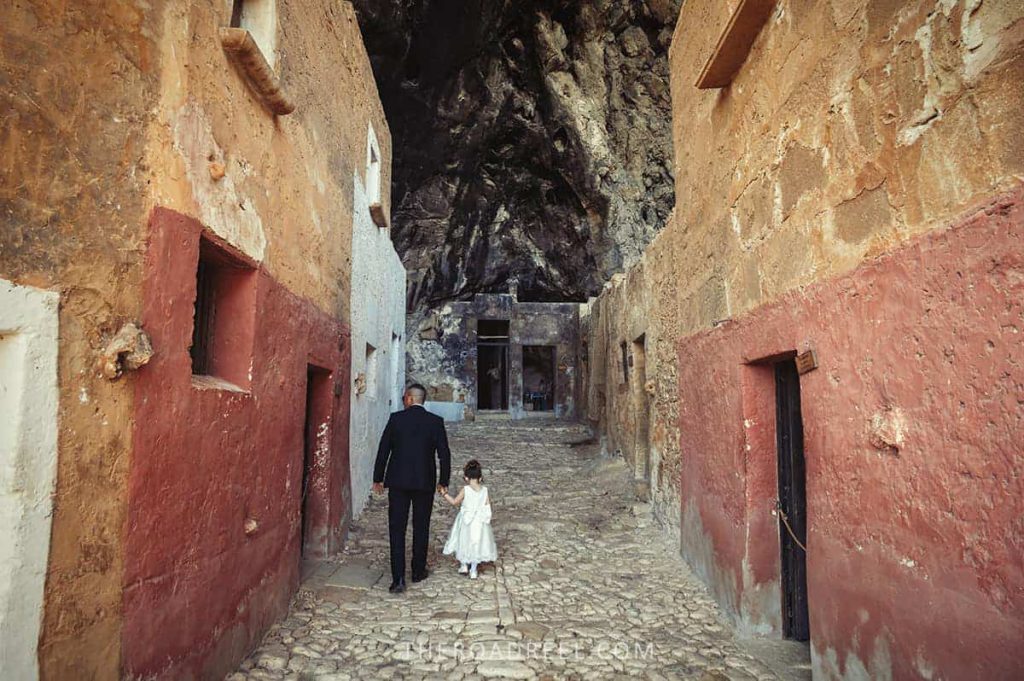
(136, 107)
(856, 189)
(532, 140)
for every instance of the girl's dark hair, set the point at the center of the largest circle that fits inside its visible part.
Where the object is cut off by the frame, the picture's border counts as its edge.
(473, 470)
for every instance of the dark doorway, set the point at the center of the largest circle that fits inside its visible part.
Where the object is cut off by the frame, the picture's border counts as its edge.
(642, 411)
(539, 377)
(492, 364)
(318, 411)
(792, 501)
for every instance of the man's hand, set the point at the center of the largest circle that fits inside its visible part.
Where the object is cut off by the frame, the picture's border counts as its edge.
(378, 488)
(441, 489)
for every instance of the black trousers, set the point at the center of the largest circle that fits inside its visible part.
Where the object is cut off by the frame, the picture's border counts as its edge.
(422, 502)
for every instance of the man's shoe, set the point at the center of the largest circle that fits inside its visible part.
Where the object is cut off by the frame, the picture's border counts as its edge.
(421, 576)
(397, 587)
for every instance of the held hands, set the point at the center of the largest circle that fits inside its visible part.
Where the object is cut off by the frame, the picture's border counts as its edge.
(378, 488)
(442, 490)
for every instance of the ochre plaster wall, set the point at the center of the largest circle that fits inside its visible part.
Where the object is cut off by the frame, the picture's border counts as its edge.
(638, 417)
(111, 111)
(78, 81)
(286, 197)
(850, 128)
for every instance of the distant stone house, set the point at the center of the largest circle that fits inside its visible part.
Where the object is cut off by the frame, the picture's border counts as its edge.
(497, 355)
(180, 186)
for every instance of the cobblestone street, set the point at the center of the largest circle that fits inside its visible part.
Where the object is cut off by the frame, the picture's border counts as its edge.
(586, 586)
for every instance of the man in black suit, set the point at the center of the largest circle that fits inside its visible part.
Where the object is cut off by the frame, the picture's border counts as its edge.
(405, 464)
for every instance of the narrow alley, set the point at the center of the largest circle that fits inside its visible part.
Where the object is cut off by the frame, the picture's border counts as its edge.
(586, 586)
(727, 297)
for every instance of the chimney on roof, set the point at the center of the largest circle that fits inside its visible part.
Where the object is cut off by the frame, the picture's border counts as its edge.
(513, 289)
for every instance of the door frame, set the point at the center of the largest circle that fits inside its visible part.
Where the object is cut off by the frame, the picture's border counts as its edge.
(792, 501)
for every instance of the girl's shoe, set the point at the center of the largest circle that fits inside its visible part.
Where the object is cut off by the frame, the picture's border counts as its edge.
(472, 573)
(463, 569)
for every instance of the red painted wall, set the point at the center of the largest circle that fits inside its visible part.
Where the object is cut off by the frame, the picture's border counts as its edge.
(914, 440)
(200, 591)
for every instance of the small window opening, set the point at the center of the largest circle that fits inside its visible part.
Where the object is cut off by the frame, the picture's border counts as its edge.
(539, 377)
(492, 330)
(224, 315)
(372, 168)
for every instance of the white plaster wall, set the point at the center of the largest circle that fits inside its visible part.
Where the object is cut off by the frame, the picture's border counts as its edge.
(378, 318)
(28, 466)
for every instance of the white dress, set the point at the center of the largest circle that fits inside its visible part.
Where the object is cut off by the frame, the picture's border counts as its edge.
(472, 540)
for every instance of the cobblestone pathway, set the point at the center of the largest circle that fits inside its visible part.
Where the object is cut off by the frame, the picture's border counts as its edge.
(586, 585)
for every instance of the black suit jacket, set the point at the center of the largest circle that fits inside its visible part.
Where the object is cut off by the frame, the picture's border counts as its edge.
(405, 457)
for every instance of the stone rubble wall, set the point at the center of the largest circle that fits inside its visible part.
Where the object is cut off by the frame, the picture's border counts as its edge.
(638, 303)
(442, 349)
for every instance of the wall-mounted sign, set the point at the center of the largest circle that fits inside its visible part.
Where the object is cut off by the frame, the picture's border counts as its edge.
(806, 361)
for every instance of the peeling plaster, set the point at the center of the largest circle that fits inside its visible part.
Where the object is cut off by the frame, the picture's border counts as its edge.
(221, 205)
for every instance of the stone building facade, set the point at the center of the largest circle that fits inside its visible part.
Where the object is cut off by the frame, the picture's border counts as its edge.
(378, 325)
(495, 354)
(177, 224)
(831, 319)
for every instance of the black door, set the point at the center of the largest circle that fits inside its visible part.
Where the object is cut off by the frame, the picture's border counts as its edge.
(793, 501)
(308, 447)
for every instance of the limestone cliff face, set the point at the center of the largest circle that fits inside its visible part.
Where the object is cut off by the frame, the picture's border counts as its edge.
(531, 139)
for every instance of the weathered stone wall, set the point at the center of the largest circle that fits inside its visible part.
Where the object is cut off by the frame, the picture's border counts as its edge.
(378, 321)
(115, 109)
(636, 416)
(287, 193)
(827, 198)
(78, 81)
(442, 349)
(912, 427)
(280, 190)
(850, 128)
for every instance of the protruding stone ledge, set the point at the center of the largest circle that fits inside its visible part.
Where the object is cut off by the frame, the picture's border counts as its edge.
(241, 48)
(380, 218)
(735, 43)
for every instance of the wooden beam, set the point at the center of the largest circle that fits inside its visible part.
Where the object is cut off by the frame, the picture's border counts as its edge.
(240, 46)
(735, 43)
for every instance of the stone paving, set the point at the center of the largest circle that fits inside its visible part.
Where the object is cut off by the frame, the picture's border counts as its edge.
(586, 586)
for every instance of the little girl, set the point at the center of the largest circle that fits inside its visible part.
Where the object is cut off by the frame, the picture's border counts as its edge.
(472, 540)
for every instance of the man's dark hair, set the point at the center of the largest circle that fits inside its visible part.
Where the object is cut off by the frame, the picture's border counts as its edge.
(473, 470)
(418, 392)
